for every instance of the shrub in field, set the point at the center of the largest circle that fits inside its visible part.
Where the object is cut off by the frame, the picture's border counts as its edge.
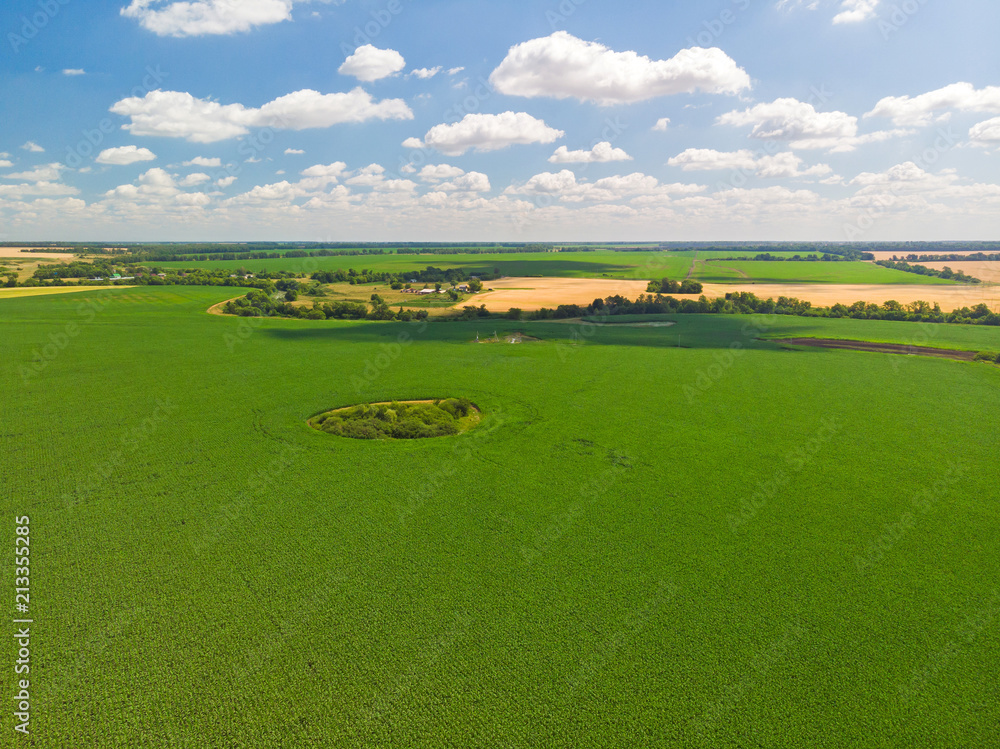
(402, 421)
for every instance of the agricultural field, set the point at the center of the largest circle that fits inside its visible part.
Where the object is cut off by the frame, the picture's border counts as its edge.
(681, 536)
(762, 271)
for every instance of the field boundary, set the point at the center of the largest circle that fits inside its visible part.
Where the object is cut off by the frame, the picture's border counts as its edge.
(879, 348)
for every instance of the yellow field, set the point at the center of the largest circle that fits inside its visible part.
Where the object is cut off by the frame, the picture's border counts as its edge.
(984, 271)
(532, 294)
(47, 290)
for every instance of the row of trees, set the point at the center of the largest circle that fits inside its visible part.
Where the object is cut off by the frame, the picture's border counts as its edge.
(666, 286)
(746, 303)
(768, 257)
(259, 304)
(923, 270)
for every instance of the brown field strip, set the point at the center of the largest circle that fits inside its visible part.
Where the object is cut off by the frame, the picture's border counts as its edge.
(880, 348)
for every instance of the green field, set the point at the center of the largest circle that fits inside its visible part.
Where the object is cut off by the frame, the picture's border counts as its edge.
(563, 264)
(795, 271)
(679, 536)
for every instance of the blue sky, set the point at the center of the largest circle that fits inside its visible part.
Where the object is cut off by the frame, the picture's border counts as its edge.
(419, 120)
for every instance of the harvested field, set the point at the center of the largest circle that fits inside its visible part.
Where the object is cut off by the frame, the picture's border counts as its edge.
(17, 293)
(889, 255)
(532, 294)
(16, 253)
(987, 271)
(880, 348)
(825, 295)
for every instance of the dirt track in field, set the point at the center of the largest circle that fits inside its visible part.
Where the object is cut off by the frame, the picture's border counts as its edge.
(881, 348)
(532, 294)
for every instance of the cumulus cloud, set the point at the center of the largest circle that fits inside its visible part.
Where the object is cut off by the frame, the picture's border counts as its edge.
(293, 152)
(986, 133)
(562, 66)
(32, 147)
(225, 181)
(204, 161)
(369, 63)
(924, 109)
(472, 182)
(5, 164)
(565, 186)
(425, 73)
(176, 114)
(661, 125)
(769, 166)
(803, 127)
(489, 132)
(599, 154)
(206, 17)
(850, 11)
(196, 178)
(440, 172)
(125, 155)
(44, 173)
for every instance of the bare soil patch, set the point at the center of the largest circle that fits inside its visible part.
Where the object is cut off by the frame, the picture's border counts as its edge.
(881, 348)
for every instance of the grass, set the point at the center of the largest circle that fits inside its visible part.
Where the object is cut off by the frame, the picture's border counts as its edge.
(794, 271)
(640, 545)
(599, 264)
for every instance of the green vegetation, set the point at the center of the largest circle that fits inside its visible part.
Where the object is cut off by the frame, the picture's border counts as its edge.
(400, 421)
(666, 286)
(750, 271)
(748, 547)
(921, 270)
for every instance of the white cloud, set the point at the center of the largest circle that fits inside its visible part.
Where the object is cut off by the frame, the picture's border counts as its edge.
(32, 147)
(5, 164)
(175, 114)
(802, 126)
(601, 153)
(369, 63)
(490, 132)
(293, 152)
(986, 133)
(44, 173)
(319, 176)
(769, 166)
(471, 182)
(455, 71)
(205, 17)
(125, 155)
(196, 178)
(706, 159)
(921, 110)
(562, 66)
(225, 181)
(565, 186)
(74, 71)
(661, 125)
(204, 161)
(851, 11)
(413, 143)
(440, 172)
(425, 73)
